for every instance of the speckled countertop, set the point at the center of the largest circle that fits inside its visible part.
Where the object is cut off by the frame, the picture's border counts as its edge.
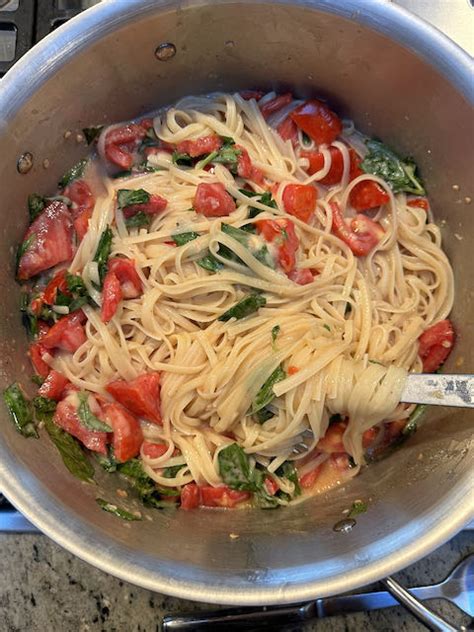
(43, 588)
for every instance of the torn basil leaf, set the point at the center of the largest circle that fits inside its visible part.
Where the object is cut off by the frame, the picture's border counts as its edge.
(357, 508)
(102, 253)
(172, 471)
(234, 468)
(244, 308)
(74, 173)
(183, 238)
(87, 417)
(275, 332)
(20, 409)
(24, 247)
(36, 205)
(130, 197)
(400, 175)
(181, 159)
(264, 415)
(139, 220)
(116, 511)
(266, 394)
(210, 263)
(287, 470)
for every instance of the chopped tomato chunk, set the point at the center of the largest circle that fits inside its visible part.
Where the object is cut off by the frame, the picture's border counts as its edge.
(190, 496)
(303, 276)
(366, 194)
(82, 205)
(257, 176)
(318, 121)
(57, 284)
(53, 386)
(244, 164)
(51, 241)
(316, 163)
(111, 297)
(36, 352)
(126, 272)
(155, 205)
(203, 145)
(332, 440)
(121, 142)
(221, 496)
(340, 460)
(271, 486)
(282, 232)
(419, 203)
(251, 94)
(141, 396)
(288, 131)
(435, 345)
(275, 104)
(67, 334)
(361, 236)
(212, 200)
(369, 436)
(66, 417)
(154, 450)
(300, 200)
(292, 370)
(128, 436)
(308, 480)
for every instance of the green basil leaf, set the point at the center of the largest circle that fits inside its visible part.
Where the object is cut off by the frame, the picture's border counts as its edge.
(181, 159)
(183, 238)
(399, 174)
(234, 469)
(130, 197)
(264, 415)
(92, 133)
(227, 155)
(20, 409)
(102, 253)
(357, 508)
(275, 332)
(287, 470)
(144, 486)
(36, 205)
(87, 417)
(244, 308)
(249, 193)
(413, 420)
(227, 141)
(266, 394)
(205, 161)
(37, 379)
(108, 461)
(210, 263)
(24, 247)
(74, 173)
(44, 406)
(116, 511)
(170, 472)
(139, 220)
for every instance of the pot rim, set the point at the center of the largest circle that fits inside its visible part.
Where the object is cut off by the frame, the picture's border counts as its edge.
(72, 532)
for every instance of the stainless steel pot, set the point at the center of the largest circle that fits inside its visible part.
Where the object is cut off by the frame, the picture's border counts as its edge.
(398, 79)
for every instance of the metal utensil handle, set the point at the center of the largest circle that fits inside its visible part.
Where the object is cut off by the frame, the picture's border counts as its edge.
(238, 619)
(439, 390)
(421, 612)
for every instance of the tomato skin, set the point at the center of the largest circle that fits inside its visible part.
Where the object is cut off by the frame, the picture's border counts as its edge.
(53, 386)
(83, 205)
(52, 241)
(365, 195)
(140, 396)
(67, 334)
(155, 205)
(300, 200)
(282, 231)
(332, 440)
(127, 436)
(200, 146)
(435, 345)
(244, 164)
(362, 235)
(316, 163)
(302, 276)
(57, 283)
(315, 119)
(120, 142)
(66, 418)
(251, 94)
(111, 297)
(125, 271)
(190, 496)
(257, 176)
(419, 203)
(221, 496)
(271, 486)
(275, 104)
(154, 450)
(36, 352)
(288, 131)
(308, 480)
(212, 200)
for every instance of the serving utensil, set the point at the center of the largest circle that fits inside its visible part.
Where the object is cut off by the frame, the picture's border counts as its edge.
(439, 390)
(458, 588)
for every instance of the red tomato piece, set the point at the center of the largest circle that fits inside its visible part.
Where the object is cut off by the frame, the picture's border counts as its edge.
(141, 396)
(303, 276)
(57, 284)
(365, 195)
(190, 496)
(332, 440)
(155, 205)
(244, 164)
(128, 436)
(154, 450)
(82, 205)
(308, 480)
(292, 369)
(212, 200)
(111, 297)
(251, 94)
(369, 436)
(340, 460)
(435, 345)
(37, 351)
(221, 496)
(53, 386)
(419, 203)
(393, 430)
(275, 104)
(36, 305)
(66, 418)
(316, 163)
(288, 131)
(300, 200)
(67, 334)
(126, 273)
(51, 235)
(257, 176)
(362, 235)
(120, 143)
(271, 486)
(316, 119)
(282, 231)
(200, 146)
